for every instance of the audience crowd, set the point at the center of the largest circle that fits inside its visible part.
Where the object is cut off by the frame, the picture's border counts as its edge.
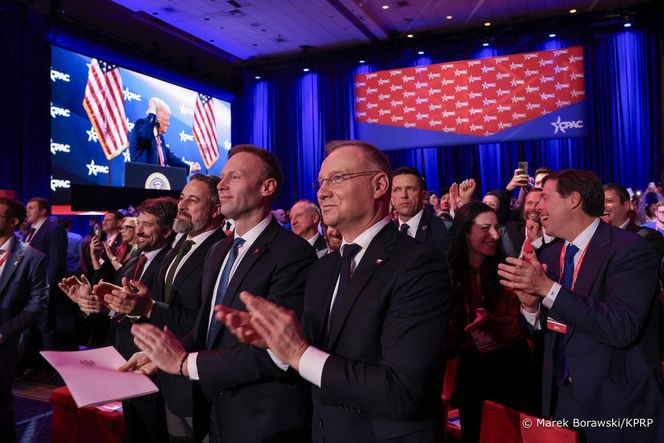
(335, 320)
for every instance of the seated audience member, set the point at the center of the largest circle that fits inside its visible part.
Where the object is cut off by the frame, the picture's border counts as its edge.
(129, 243)
(333, 238)
(282, 217)
(594, 302)
(495, 362)
(304, 220)
(645, 203)
(408, 191)
(23, 292)
(657, 223)
(86, 261)
(74, 243)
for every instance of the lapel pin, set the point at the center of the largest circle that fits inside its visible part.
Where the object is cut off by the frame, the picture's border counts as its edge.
(424, 227)
(379, 261)
(257, 250)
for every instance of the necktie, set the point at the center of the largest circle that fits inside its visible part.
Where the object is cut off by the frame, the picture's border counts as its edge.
(223, 285)
(30, 235)
(138, 270)
(168, 284)
(349, 251)
(561, 369)
(159, 151)
(404, 228)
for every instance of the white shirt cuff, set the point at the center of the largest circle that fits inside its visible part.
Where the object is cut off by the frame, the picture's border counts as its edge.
(191, 366)
(533, 318)
(550, 298)
(280, 364)
(311, 365)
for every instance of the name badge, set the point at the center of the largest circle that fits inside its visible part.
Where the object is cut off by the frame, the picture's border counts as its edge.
(556, 326)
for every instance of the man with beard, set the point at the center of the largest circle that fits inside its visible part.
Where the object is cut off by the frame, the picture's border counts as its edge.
(174, 300)
(513, 240)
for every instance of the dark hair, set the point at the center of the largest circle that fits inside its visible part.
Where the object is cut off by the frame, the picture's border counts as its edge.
(211, 181)
(117, 215)
(533, 190)
(407, 170)
(42, 203)
(458, 258)
(65, 222)
(543, 170)
(444, 191)
(165, 209)
(15, 209)
(620, 191)
(375, 155)
(586, 183)
(272, 165)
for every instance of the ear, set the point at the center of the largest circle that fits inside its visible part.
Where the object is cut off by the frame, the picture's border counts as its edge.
(268, 187)
(574, 200)
(381, 184)
(216, 211)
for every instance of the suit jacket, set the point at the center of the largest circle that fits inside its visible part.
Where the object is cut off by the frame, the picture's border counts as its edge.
(180, 313)
(434, 232)
(23, 297)
(143, 145)
(51, 239)
(383, 379)
(652, 236)
(320, 243)
(611, 343)
(250, 405)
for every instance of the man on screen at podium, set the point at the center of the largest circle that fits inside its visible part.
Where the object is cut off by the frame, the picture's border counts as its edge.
(146, 140)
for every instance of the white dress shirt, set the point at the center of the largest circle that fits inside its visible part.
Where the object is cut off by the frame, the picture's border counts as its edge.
(5, 250)
(413, 223)
(249, 238)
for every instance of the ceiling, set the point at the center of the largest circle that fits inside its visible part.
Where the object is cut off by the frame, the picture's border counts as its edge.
(251, 29)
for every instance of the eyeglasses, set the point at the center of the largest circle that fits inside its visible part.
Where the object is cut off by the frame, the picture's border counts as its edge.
(124, 228)
(339, 179)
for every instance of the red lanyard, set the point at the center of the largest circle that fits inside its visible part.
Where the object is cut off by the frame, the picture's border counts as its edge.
(4, 258)
(576, 268)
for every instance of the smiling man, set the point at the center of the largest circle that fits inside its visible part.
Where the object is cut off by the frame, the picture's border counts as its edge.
(408, 192)
(304, 219)
(597, 309)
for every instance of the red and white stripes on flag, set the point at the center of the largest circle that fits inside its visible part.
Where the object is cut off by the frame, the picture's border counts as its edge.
(205, 130)
(104, 104)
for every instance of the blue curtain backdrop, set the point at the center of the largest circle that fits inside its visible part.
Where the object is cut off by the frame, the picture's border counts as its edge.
(299, 112)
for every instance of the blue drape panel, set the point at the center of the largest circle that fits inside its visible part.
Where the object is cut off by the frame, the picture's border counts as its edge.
(623, 87)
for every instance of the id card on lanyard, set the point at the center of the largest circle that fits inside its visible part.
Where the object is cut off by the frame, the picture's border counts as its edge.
(552, 324)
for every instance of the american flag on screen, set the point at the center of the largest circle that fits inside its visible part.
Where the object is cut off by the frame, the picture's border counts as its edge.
(205, 130)
(104, 104)
(478, 97)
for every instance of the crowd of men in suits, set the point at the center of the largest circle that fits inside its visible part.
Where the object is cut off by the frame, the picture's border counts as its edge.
(335, 329)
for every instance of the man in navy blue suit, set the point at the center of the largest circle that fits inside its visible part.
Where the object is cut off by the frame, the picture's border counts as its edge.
(23, 295)
(594, 301)
(146, 141)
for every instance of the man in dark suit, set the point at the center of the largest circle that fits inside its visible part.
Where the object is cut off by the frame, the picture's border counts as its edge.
(23, 295)
(513, 240)
(304, 220)
(175, 300)
(248, 404)
(373, 330)
(146, 140)
(597, 308)
(56, 326)
(408, 192)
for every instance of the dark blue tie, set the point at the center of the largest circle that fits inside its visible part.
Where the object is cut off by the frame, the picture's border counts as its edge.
(223, 285)
(560, 362)
(348, 252)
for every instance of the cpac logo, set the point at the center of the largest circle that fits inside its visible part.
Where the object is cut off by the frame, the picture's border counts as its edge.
(227, 145)
(577, 93)
(126, 156)
(514, 65)
(129, 96)
(544, 62)
(435, 122)
(421, 116)
(433, 107)
(383, 96)
(475, 94)
(472, 79)
(488, 118)
(449, 114)
(433, 75)
(383, 81)
(360, 84)
(360, 99)
(486, 85)
(392, 73)
(502, 75)
(407, 94)
(473, 111)
(473, 63)
(447, 81)
(420, 100)
(502, 108)
(421, 69)
(396, 118)
(448, 97)
(186, 111)
(62, 112)
(516, 82)
(530, 89)
(59, 147)
(460, 120)
(560, 86)
(476, 127)
(503, 125)
(56, 183)
(409, 125)
(559, 69)
(408, 78)
(396, 103)
(459, 72)
(546, 79)
(518, 98)
(372, 90)
(531, 106)
(370, 76)
(92, 135)
(502, 92)
(564, 126)
(461, 105)
(184, 137)
(372, 105)
(459, 88)
(372, 120)
(561, 103)
(529, 56)
(501, 59)
(419, 85)
(517, 116)
(575, 75)
(448, 129)
(446, 67)
(489, 101)
(575, 58)
(96, 169)
(407, 110)
(545, 96)
(433, 91)
(530, 72)
(382, 112)
(559, 52)
(396, 88)
(486, 69)
(57, 75)
(360, 114)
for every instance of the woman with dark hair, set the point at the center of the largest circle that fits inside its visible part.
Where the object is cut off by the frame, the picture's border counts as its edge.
(495, 362)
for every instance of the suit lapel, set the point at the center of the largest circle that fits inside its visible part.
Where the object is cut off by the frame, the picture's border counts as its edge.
(377, 253)
(210, 274)
(15, 258)
(423, 229)
(326, 288)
